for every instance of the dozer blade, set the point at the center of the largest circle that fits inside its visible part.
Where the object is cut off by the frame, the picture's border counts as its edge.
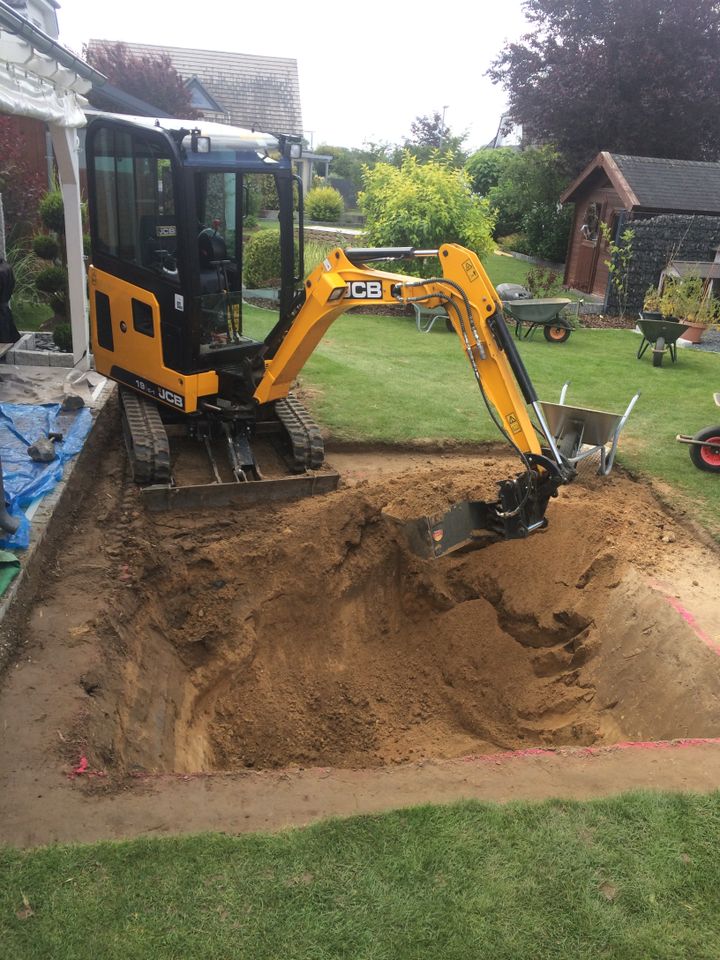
(198, 496)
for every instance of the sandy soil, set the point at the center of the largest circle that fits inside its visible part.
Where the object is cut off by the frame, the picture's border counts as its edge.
(180, 654)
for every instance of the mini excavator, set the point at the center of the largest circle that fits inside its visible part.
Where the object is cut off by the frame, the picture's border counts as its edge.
(167, 201)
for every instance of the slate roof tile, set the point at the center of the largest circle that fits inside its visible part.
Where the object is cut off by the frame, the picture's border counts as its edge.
(659, 184)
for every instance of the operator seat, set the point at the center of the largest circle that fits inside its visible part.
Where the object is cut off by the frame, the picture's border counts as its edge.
(215, 266)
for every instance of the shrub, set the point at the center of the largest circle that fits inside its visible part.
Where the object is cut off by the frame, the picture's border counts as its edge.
(62, 335)
(543, 282)
(514, 243)
(268, 192)
(261, 259)
(52, 213)
(423, 206)
(526, 201)
(45, 246)
(486, 166)
(547, 229)
(51, 280)
(25, 266)
(58, 304)
(324, 203)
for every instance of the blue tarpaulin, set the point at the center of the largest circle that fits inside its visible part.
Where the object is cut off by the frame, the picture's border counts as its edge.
(21, 424)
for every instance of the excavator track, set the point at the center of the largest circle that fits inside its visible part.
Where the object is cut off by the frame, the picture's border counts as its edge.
(306, 442)
(145, 438)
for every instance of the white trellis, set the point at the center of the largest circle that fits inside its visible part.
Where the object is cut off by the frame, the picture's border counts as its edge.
(41, 79)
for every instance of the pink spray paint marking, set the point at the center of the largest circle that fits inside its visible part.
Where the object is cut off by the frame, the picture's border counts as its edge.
(564, 753)
(688, 617)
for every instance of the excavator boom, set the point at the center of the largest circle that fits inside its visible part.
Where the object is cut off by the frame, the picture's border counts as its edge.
(344, 281)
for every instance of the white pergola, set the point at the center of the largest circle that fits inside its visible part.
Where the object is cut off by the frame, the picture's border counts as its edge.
(42, 80)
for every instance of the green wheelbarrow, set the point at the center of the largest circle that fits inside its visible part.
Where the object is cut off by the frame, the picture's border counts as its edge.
(547, 312)
(661, 335)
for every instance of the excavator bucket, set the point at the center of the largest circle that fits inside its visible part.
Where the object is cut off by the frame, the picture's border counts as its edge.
(473, 524)
(464, 525)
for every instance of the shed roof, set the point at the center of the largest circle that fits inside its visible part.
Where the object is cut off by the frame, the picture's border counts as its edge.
(260, 93)
(654, 183)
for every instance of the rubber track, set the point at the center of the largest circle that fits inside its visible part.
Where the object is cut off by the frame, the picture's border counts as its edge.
(145, 438)
(308, 449)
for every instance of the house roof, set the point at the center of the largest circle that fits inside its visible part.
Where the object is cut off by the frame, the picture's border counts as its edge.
(200, 98)
(653, 183)
(112, 98)
(260, 93)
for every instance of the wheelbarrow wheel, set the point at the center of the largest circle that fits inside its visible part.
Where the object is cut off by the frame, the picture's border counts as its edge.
(556, 334)
(706, 455)
(658, 351)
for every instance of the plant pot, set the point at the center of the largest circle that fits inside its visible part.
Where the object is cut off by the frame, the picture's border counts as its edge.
(694, 332)
(653, 315)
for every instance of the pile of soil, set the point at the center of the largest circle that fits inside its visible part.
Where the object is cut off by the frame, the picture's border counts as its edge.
(309, 634)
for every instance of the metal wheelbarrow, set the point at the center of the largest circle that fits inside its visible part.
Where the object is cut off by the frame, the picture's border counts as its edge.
(544, 312)
(661, 335)
(581, 432)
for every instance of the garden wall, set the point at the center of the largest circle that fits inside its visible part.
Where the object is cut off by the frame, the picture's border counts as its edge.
(658, 240)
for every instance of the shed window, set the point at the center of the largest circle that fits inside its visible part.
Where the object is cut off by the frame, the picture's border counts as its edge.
(591, 223)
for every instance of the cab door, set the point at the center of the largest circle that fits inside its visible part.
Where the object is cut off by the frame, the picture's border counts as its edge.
(137, 303)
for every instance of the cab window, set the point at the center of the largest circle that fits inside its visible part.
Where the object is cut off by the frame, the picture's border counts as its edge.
(135, 204)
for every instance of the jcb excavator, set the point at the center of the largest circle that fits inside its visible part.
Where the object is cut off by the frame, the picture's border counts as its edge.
(167, 202)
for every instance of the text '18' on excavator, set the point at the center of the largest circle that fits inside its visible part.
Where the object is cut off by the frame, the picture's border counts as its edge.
(167, 202)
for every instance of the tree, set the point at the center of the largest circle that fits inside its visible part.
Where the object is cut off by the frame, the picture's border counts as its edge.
(21, 186)
(486, 166)
(348, 162)
(423, 205)
(628, 76)
(150, 78)
(430, 137)
(526, 200)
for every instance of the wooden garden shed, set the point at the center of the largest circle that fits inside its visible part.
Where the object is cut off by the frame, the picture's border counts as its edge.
(614, 189)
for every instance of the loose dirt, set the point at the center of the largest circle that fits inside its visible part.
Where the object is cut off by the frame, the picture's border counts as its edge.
(307, 635)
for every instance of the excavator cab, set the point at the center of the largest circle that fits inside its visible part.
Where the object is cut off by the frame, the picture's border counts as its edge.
(168, 203)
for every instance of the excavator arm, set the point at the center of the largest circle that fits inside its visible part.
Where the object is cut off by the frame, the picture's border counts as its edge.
(343, 280)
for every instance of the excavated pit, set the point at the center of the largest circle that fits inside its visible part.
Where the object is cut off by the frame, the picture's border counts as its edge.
(308, 635)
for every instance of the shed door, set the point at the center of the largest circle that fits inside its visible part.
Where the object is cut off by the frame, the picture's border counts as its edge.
(589, 245)
(583, 279)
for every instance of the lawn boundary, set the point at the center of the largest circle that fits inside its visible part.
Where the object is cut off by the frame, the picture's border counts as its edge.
(72, 811)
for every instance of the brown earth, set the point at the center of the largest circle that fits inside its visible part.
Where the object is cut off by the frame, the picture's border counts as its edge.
(307, 635)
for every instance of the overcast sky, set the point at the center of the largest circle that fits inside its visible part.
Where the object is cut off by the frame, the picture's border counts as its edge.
(366, 70)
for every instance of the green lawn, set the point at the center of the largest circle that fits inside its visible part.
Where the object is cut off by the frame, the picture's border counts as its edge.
(627, 878)
(419, 387)
(30, 316)
(504, 269)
